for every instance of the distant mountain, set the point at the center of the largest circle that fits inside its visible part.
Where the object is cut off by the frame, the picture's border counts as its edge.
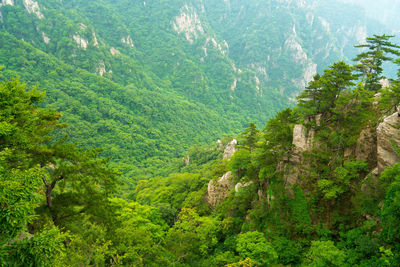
(148, 79)
(384, 11)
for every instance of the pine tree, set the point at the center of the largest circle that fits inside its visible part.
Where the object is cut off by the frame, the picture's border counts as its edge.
(309, 100)
(370, 62)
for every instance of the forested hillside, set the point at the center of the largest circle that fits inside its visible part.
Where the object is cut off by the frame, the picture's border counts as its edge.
(148, 80)
(198, 133)
(318, 186)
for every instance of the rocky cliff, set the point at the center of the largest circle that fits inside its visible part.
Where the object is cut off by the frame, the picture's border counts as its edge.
(218, 190)
(388, 141)
(377, 145)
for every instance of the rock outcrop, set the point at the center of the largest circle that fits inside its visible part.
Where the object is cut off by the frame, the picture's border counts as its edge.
(375, 145)
(366, 148)
(303, 141)
(230, 149)
(32, 7)
(302, 138)
(219, 190)
(388, 137)
(128, 41)
(238, 186)
(188, 23)
(81, 42)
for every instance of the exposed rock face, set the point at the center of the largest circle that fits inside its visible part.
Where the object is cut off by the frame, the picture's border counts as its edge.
(3, 3)
(212, 43)
(297, 52)
(8, 2)
(220, 145)
(188, 23)
(218, 191)
(302, 138)
(186, 160)
(114, 51)
(101, 68)
(33, 7)
(375, 146)
(366, 148)
(80, 41)
(46, 39)
(230, 149)
(388, 135)
(302, 141)
(95, 42)
(127, 40)
(238, 186)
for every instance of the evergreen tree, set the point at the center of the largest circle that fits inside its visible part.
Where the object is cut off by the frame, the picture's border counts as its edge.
(310, 99)
(370, 62)
(251, 136)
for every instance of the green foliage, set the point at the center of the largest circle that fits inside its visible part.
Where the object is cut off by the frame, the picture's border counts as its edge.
(164, 91)
(370, 62)
(299, 212)
(390, 98)
(254, 245)
(360, 245)
(240, 162)
(90, 246)
(192, 236)
(344, 177)
(138, 234)
(288, 251)
(18, 199)
(390, 213)
(325, 253)
(324, 91)
(33, 171)
(42, 249)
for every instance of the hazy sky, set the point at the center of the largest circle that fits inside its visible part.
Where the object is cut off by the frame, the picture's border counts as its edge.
(385, 11)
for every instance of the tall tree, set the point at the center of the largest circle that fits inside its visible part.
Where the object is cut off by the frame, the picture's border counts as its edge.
(251, 136)
(32, 165)
(310, 99)
(379, 49)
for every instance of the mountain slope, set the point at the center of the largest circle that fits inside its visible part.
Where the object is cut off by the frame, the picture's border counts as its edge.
(184, 72)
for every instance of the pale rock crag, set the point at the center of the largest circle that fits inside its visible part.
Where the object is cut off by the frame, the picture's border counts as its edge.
(101, 68)
(80, 41)
(230, 149)
(95, 42)
(127, 40)
(114, 51)
(388, 137)
(234, 84)
(46, 39)
(8, 2)
(217, 191)
(239, 185)
(296, 51)
(3, 3)
(33, 7)
(188, 23)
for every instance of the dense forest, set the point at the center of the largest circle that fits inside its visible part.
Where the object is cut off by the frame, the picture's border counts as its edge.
(110, 112)
(332, 200)
(121, 71)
